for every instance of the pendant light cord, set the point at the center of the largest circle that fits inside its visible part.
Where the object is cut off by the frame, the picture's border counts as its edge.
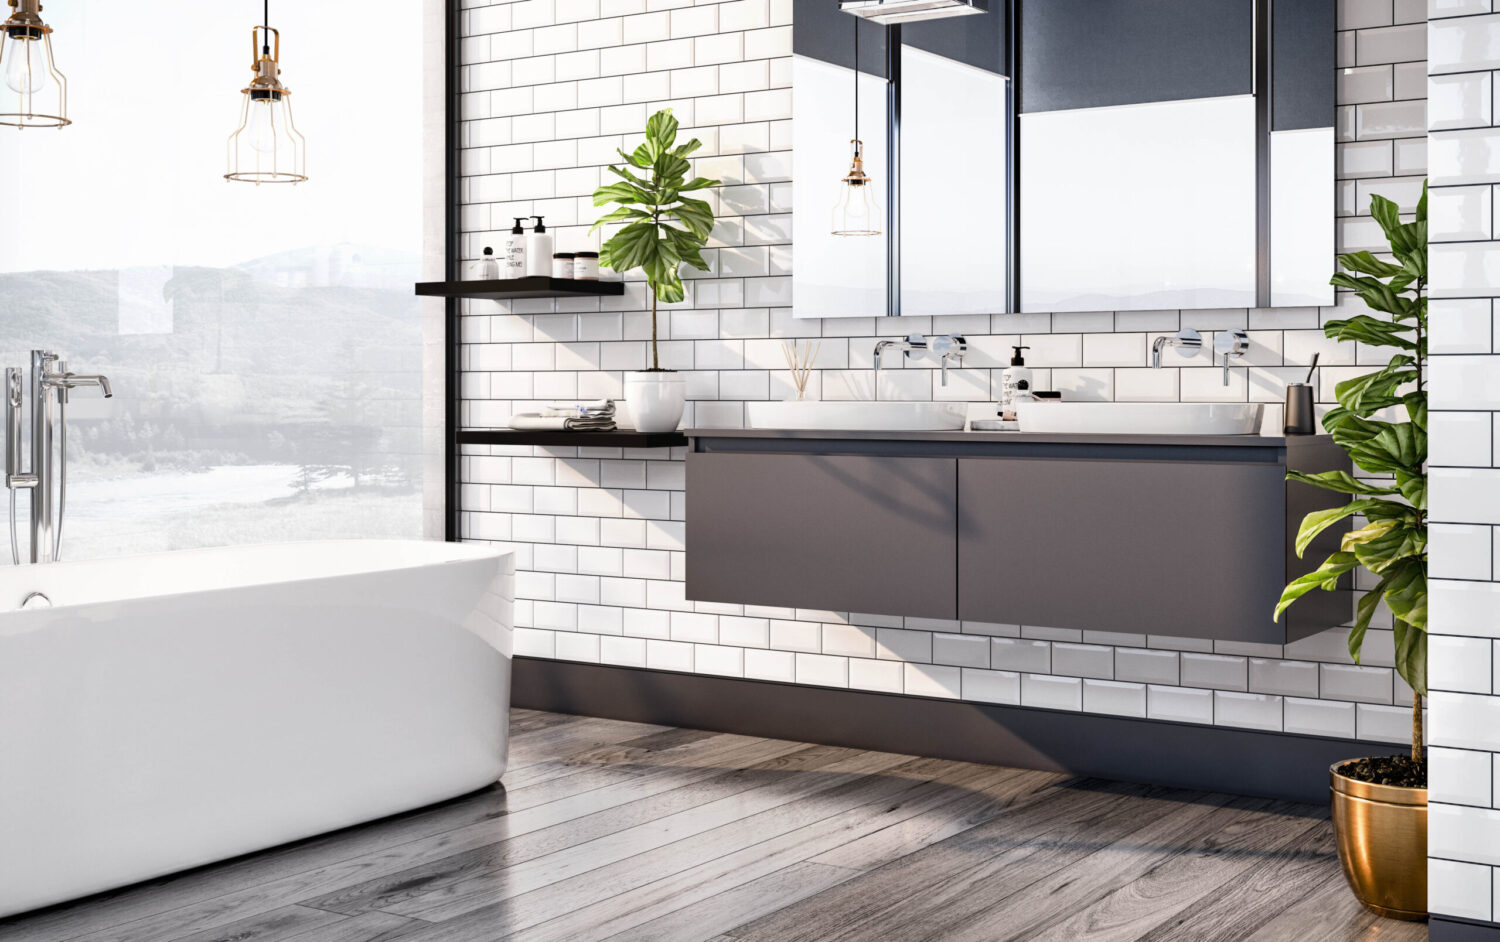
(856, 75)
(265, 23)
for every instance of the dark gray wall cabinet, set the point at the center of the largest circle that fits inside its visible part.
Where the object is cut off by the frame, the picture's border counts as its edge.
(1181, 537)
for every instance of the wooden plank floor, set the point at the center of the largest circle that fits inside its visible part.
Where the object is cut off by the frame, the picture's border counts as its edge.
(623, 831)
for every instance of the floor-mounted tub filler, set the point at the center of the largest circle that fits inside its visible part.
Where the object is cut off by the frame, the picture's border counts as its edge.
(162, 712)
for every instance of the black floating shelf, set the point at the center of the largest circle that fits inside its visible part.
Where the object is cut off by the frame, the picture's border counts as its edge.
(507, 289)
(620, 438)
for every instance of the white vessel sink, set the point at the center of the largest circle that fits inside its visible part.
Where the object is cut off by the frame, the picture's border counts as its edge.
(1140, 418)
(859, 416)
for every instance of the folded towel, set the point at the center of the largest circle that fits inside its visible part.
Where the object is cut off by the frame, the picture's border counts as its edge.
(531, 422)
(601, 407)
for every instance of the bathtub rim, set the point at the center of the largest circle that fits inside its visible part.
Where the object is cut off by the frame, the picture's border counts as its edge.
(18, 620)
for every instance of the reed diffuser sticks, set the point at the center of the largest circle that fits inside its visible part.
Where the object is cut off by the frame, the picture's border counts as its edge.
(800, 360)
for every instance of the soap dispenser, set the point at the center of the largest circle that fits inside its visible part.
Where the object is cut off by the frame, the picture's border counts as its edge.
(1014, 376)
(513, 251)
(539, 250)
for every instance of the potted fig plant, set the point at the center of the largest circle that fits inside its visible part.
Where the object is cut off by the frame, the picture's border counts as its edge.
(663, 228)
(1380, 803)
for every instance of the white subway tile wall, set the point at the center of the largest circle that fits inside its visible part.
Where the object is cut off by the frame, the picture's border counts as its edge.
(1464, 652)
(553, 87)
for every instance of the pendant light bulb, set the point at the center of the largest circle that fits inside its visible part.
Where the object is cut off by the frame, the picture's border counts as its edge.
(262, 128)
(23, 65)
(35, 93)
(266, 146)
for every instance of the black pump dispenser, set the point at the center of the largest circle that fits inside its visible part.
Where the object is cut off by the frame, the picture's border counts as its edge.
(1017, 359)
(518, 229)
(539, 226)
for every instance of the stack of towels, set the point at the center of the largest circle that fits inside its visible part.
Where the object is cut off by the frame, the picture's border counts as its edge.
(596, 416)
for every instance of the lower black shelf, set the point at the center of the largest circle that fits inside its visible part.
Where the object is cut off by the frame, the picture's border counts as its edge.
(620, 438)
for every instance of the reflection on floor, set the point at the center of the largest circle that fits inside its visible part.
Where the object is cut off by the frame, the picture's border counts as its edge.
(612, 830)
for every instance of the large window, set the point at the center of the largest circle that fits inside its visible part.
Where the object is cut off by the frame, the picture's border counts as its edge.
(264, 343)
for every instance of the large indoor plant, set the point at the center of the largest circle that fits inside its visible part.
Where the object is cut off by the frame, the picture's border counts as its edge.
(1380, 804)
(662, 230)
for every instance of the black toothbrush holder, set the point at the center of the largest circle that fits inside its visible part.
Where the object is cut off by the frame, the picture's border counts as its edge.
(1300, 419)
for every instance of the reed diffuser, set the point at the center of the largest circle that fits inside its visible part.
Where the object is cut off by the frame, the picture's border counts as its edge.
(799, 361)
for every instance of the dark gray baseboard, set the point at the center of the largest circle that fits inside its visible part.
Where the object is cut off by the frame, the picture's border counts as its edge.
(1184, 755)
(1451, 929)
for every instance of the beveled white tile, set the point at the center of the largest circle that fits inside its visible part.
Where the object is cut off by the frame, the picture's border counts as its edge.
(1051, 693)
(1114, 697)
(932, 680)
(1459, 776)
(1463, 45)
(1458, 889)
(1319, 717)
(1462, 100)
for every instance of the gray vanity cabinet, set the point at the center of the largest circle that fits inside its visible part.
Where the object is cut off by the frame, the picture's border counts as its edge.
(1148, 547)
(842, 532)
(1163, 535)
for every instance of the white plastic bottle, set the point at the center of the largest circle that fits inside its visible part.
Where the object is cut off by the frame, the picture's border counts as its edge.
(513, 252)
(539, 250)
(1015, 374)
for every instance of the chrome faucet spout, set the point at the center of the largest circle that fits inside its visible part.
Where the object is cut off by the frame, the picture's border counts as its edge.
(75, 380)
(1189, 339)
(912, 343)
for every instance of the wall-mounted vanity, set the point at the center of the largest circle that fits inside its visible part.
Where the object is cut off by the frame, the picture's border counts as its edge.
(1069, 155)
(1185, 535)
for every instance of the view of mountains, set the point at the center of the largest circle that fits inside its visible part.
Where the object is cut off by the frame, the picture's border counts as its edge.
(311, 356)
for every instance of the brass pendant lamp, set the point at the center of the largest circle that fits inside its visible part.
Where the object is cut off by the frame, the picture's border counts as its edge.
(856, 213)
(266, 147)
(35, 93)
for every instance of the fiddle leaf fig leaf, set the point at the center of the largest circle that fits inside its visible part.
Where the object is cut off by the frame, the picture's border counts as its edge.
(1392, 542)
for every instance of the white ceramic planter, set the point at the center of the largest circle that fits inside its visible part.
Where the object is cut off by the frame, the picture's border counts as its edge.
(656, 400)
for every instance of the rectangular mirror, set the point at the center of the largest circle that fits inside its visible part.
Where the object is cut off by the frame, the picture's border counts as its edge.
(1069, 155)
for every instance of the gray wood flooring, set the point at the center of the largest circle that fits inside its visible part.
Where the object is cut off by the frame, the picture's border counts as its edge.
(623, 831)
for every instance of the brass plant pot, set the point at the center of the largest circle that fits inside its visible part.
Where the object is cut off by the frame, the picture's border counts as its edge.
(1382, 836)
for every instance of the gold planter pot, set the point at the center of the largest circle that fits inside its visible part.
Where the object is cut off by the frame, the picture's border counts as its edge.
(1382, 837)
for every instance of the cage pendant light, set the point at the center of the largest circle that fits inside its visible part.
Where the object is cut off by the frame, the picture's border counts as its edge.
(266, 147)
(856, 213)
(34, 93)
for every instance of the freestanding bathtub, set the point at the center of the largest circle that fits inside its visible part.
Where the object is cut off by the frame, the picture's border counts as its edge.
(172, 710)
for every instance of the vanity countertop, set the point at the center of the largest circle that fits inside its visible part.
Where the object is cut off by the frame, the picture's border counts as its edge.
(960, 436)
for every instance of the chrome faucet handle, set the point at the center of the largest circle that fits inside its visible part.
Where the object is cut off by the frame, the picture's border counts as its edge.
(949, 347)
(915, 343)
(946, 345)
(1230, 343)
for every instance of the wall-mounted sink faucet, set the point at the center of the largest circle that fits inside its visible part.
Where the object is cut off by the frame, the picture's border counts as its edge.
(1187, 338)
(947, 346)
(1227, 344)
(50, 383)
(913, 343)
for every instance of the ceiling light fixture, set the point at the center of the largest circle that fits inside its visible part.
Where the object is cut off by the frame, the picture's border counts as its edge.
(894, 12)
(41, 92)
(856, 213)
(266, 147)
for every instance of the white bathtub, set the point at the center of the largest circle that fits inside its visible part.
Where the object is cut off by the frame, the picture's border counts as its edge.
(177, 709)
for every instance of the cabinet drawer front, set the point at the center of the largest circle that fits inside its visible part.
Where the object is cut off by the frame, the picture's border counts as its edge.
(1164, 548)
(834, 532)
